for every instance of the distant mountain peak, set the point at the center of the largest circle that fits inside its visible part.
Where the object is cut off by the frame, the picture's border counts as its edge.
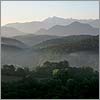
(54, 18)
(34, 26)
(76, 23)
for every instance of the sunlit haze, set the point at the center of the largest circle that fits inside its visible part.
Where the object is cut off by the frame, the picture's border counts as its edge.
(26, 11)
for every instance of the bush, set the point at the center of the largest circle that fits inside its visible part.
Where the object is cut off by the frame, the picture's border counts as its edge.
(70, 83)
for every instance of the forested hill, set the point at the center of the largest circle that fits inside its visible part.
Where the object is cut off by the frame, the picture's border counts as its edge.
(52, 80)
(71, 44)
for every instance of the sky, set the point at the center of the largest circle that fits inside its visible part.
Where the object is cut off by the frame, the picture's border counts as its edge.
(27, 11)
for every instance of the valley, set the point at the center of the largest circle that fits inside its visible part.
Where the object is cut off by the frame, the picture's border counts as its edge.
(79, 50)
(50, 49)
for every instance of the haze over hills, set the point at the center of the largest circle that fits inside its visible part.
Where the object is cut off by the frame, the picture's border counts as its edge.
(12, 42)
(82, 42)
(32, 39)
(34, 26)
(53, 39)
(49, 50)
(75, 28)
(93, 23)
(10, 31)
(84, 47)
(31, 27)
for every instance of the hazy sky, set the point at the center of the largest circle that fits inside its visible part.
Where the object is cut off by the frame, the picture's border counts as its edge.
(26, 11)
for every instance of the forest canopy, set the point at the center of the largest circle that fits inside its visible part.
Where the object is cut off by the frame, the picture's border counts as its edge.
(52, 80)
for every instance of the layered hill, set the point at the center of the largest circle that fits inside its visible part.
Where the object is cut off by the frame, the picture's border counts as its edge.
(71, 43)
(32, 39)
(12, 42)
(10, 31)
(75, 28)
(79, 50)
(34, 26)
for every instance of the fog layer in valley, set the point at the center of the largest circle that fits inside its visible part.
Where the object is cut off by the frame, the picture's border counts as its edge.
(31, 44)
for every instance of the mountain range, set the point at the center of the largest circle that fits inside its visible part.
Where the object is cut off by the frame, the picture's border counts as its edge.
(32, 39)
(79, 50)
(54, 39)
(75, 28)
(10, 31)
(34, 26)
(71, 43)
(12, 42)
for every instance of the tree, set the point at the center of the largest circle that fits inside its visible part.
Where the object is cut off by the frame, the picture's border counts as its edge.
(63, 64)
(55, 72)
(26, 69)
(20, 72)
(8, 69)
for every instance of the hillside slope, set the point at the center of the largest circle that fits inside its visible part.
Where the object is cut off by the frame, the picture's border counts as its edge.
(75, 28)
(32, 39)
(78, 50)
(13, 42)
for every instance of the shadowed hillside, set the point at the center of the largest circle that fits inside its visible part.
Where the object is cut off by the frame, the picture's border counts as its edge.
(70, 48)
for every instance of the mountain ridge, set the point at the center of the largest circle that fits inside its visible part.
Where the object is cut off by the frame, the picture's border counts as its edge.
(47, 23)
(71, 29)
(56, 50)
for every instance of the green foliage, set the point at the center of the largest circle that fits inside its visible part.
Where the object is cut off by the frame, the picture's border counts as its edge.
(70, 44)
(55, 72)
(47, 68)
(10, 70)
(69, 83)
